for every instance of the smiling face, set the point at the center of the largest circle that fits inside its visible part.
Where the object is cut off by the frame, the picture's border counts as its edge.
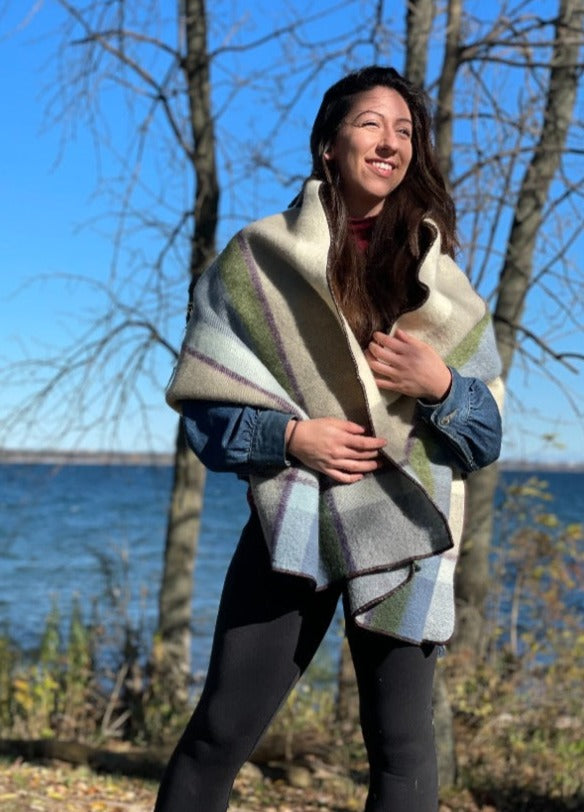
(372, 149)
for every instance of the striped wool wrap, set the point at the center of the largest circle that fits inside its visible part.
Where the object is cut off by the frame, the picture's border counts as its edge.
(266, 332)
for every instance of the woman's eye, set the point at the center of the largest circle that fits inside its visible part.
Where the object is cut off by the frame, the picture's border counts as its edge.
(366, 122)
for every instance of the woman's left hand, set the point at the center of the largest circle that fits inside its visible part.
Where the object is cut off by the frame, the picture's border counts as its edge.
(404, 364)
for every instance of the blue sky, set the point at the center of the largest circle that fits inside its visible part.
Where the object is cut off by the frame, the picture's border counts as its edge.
(48, 198)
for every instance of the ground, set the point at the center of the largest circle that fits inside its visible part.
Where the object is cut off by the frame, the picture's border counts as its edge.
(28, 787)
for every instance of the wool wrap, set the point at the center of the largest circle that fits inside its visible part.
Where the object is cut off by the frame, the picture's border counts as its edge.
(265, 331)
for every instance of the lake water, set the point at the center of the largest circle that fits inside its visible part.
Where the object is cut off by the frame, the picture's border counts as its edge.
(64, 528)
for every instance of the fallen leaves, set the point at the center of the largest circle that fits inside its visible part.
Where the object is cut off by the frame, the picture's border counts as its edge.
(28, 787)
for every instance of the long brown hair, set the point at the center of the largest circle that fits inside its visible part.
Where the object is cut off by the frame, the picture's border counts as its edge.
(373, 289)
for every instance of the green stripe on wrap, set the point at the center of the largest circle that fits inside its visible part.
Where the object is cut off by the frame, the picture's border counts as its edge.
(468, 347)
(250, 311)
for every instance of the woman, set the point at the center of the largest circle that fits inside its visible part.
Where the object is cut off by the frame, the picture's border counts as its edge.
(339, 360)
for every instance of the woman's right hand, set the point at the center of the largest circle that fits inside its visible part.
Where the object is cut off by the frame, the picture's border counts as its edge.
(338, 448)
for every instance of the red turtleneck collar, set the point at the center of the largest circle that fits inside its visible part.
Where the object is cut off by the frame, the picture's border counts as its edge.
(362, 228)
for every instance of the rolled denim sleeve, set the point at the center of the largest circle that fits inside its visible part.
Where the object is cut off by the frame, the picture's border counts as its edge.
(234, 438)
(468, 421)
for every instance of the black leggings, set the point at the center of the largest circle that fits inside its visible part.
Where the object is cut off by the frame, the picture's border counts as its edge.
(269, 627)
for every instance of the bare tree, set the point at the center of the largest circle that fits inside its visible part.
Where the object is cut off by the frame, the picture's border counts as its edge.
(533, 142)
(176, 588)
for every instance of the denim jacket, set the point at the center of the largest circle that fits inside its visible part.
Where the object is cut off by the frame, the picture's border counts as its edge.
(244, 439)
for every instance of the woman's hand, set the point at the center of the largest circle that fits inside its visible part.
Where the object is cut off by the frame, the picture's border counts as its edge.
(404, 364)
(338, 448)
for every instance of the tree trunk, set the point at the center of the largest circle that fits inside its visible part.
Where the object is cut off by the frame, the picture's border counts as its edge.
(443, 732)
(450, 66)
(561, 95)
(347, 706)
(472, 575)
(419, 20)
(173, 650)
(206, 204)
(176, 593)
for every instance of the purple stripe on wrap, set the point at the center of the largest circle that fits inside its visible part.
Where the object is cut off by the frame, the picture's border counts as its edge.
(270, 320)
(284, 405)
(339, 529)
(294, 475)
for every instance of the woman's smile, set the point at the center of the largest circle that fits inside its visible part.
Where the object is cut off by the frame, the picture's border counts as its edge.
(383, 167)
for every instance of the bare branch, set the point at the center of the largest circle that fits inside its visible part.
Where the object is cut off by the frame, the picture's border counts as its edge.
(277, 33)
(158, 89)
(562, 357)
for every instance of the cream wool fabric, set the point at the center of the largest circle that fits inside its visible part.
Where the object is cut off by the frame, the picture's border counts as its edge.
(266, 332)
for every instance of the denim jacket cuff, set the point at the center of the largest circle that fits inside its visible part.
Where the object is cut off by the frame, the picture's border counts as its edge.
(454, 406)
(468, 419)
(268, 445)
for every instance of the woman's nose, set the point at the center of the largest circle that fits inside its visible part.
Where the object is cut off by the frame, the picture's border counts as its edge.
(387, 141)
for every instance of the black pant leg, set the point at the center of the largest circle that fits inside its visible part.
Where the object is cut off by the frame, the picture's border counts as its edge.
(269, 627)
(395, 690)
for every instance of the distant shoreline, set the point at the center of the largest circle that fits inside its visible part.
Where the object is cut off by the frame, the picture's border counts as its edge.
(59, 457)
